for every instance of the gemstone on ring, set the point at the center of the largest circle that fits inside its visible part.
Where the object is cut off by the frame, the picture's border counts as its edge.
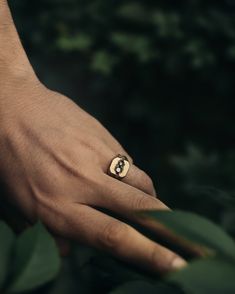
(118, 170)
(119, 167)
(121, 163)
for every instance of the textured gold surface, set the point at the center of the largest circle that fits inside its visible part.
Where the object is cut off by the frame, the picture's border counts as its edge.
(119, 167)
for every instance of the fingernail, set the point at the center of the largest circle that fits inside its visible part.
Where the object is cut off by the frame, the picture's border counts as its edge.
(178, 263)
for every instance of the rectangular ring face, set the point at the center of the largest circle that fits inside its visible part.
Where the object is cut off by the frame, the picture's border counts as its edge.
(119, 167)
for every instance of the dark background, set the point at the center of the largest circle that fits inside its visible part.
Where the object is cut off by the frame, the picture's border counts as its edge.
(159, 75)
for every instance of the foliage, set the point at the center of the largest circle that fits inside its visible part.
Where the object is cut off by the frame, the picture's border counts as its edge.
(27, 261)
(198, 231)
(35, 262)
(208, 180)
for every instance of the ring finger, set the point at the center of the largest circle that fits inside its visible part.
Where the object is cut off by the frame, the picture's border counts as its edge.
(135, 177)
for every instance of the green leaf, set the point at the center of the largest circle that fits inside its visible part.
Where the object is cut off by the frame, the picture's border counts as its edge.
(140, 287)
(103, 62)
(36, 260)
(134, 12)
(81, 42)
(6, 245)
(139, 45)
(207, 276)
(196, 229)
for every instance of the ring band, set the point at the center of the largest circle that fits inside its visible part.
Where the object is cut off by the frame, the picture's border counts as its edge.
(119, 167)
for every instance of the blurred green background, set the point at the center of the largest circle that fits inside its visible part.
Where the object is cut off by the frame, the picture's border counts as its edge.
(159, 75)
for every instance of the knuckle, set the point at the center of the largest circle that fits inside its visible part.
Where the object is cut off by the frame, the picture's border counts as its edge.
(113, 235)
(147, 182)
(162, 260)
(130, 158)
(154, 257)
(142, 202)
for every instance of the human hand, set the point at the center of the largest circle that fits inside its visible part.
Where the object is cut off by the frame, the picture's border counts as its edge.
(54, 161)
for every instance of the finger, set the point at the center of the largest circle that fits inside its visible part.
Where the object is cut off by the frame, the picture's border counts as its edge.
(140, 180)
(124, 199)
(83, 223)
(135, 176)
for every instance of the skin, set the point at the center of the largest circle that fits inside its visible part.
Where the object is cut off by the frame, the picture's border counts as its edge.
(54, 160)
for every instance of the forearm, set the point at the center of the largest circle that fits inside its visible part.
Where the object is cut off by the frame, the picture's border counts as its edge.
(13, 60)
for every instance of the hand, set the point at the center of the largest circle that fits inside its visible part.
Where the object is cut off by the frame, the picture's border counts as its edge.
(54, 160)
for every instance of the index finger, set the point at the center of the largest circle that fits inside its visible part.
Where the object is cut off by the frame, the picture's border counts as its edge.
(97, 229)
(125, 200)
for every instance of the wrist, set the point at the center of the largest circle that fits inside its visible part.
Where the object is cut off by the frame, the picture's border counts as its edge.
(14, 64)
(18, 95)
(14, 72)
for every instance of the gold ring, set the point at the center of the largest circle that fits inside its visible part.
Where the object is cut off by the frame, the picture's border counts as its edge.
(119, 167)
